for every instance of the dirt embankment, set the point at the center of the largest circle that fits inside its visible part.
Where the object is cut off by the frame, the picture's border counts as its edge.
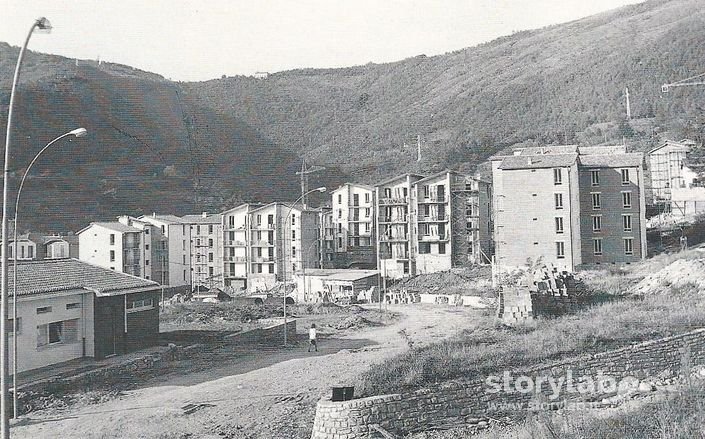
(469, 281)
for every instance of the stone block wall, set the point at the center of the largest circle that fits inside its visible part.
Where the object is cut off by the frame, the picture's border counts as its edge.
(465, 401)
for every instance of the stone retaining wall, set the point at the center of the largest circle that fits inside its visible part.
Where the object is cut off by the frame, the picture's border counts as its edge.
(467, 401)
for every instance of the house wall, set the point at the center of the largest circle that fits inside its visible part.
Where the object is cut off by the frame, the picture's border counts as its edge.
(354, 236)
(118, 332)
(207, 257)
(58, 250)
(236, 239)
(94, 247)
(525, 217)
(178, 250)
(267, 237)
(611, 213)
(395, 220)
(435, 216)
(29, 355)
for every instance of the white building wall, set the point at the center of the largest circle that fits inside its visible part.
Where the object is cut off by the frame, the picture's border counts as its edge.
(94, 247)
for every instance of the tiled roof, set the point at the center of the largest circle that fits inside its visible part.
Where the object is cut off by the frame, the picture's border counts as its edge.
(399, 177)
(167, 218)
(548, 149)
(57, 275)
(200, 219)
(677, 146)
(117, 226)
(535, 162)
(612, 160)
(360, 185)
(611, 149)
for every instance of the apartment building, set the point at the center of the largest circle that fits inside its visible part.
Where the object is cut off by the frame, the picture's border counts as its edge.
(177, 235)
(666, 163)
(283, 239)
(395, 249)
(236, 244)
(207, 249)
(327, 238)
(353, 217)
(567, 207)
(116, 246)
(452, 221)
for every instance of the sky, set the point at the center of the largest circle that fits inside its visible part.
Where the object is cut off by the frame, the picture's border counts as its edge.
(197, 40)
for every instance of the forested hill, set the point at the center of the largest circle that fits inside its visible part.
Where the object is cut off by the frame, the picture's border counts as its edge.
(559, 84)
(157, 145)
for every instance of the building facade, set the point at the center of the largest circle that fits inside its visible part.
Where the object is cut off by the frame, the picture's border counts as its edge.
(666, 163)
(237, 245)
(116, 246)
(353, 218)
(207, 250)
(557, 206)
(177, 235)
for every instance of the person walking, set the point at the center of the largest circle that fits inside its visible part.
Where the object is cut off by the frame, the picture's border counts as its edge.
(312, 338)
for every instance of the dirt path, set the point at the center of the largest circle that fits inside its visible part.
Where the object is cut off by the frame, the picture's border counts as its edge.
(271, 395)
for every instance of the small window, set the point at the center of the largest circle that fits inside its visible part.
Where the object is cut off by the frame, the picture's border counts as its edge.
(210, 228)
(559, 200)
(271, 268)
(560, 250)
(340, 199)
(293, 219)
(627, 223)
(625, 176)
(146, 247)
(112, 255)
(293, 234)
(628, 246)
(596, 223)
(441, 248)
(140, 305)
(76, 305)
(44, 310)
(557, 176)
(146, 262)
(146, 231)
(18, 326)
(559, 224)
(595, 178)
(367, 198)
(597, 246)
(627, 200)
(596, 201)
(424, 248)
(367, 212)
(210, 257)
(112, 239)
(293, 252)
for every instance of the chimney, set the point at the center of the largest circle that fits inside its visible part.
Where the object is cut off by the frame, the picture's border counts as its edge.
(204, 214)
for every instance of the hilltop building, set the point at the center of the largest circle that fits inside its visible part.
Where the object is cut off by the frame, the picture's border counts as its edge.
(568, 207)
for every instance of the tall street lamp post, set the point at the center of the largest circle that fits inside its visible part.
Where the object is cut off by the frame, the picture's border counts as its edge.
(78, 132)
(42, 24)
(286, 222)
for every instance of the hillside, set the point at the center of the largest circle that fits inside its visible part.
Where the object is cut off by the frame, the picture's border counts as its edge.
(151, 146)
(552, 85)
(157, 145)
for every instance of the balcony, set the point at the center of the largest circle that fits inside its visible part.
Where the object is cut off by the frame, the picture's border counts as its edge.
(399, 219)
(240, 259)
(262, 244)
(394, 201)
(264, 226)
(433, 199)
(433, 238)
(397, 238)
(433, 218)
(263, 260)
(235, 244)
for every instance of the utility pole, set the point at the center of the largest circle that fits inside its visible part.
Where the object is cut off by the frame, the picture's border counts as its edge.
(629, 107)
(418, 147)
(304, 180)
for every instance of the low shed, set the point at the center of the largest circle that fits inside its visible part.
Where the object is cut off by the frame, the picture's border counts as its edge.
(335, 285)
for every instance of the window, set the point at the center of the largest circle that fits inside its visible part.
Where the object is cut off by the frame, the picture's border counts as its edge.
(140, 305)
(112, 239)
(424, 248)
(340, 243)
(44, 310)
(597, 223)
(426, 191)
(625, 176)
(557, 176)
(210, 271)
(340, 228)
(293, 252)
(597, 246)
(340, 213)
(627, 200)
(560, 250)
(367, 197)
(293, 267)
(293, 219)
(627, 223)
(198, 229)
(293, 234)
(57, 332)
(210, 257)
(18, 326)
(30, 252)
(595, 178)
(210, 243)
(367, 212)
(596, 201)
(628, 246)
(259, 220)
(340, 198)
(559, 200)
(210, 228)
(271, 268)
(146, 246)
(112, 255)
(146, 262)
(183, 244)
(367, 227)
(559, 224)
(441, 248)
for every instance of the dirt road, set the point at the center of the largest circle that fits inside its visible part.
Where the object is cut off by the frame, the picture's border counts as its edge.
(271, 395)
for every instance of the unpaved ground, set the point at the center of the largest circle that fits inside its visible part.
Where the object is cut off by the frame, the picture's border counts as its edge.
(267, 395)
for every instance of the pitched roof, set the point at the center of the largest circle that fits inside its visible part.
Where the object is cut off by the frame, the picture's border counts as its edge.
(360, 185)
(165, 218)
(114, 225)
(674, 145)
(535, 162)
(548, 149)
(398, 177)
(612, 160)
(59, 275)
(605, 149)
(215, 218)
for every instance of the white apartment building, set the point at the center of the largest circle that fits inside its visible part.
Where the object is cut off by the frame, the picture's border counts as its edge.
(353, 207)
(207, 249)
(236, 244)
(116, 246)
(178, 243)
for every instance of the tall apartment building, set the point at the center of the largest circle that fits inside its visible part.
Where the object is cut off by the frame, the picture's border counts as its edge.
(327, 238)
(568, 208)
(207, 249)
(283, 239)
(117, 246)
(452, 218)
(353, 219)
(395, 250)
(236, 243)
(177, 234)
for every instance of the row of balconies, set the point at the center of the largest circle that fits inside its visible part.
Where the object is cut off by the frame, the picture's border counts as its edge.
(392, 200)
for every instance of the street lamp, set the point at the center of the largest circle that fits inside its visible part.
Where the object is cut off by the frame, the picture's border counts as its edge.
(78, 132)
(42, 24)
(286, 222)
